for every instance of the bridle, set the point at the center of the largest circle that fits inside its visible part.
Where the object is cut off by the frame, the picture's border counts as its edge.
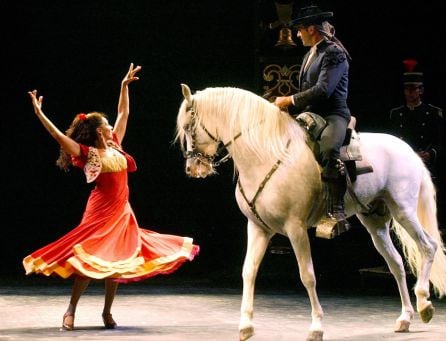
(193, 153)
(208, 160)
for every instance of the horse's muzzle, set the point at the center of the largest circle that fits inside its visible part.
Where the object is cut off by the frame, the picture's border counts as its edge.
(198, 167)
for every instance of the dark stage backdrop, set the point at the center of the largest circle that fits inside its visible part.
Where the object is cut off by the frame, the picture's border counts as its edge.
(76, 52)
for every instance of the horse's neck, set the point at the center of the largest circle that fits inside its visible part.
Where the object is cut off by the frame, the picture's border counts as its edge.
(250, 167)
(251, 151)
(253, 169)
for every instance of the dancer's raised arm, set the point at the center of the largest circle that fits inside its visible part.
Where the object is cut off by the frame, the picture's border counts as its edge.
(124, 102)
(68, 144)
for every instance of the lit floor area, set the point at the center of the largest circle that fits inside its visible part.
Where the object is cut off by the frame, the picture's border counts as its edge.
(199, 312)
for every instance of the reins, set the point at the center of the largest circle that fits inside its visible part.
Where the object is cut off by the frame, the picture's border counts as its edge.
(194, 153)
(210, 159)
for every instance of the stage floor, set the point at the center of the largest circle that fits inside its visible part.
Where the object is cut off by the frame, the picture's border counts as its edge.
(196, 312)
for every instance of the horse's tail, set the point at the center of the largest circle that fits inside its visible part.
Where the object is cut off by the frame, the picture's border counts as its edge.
(427, 215)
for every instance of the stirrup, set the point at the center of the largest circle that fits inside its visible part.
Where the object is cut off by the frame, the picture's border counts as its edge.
(328, 227)
(341, 227)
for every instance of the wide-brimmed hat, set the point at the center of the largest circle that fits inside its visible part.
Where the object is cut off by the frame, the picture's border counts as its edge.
(310, 15)
(411, 76)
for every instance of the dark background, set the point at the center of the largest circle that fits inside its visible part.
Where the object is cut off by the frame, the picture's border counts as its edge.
(76, 53)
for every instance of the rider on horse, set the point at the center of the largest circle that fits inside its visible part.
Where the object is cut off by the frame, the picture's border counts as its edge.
(323, 90)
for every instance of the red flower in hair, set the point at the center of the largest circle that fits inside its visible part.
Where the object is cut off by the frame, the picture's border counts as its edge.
(82, 116)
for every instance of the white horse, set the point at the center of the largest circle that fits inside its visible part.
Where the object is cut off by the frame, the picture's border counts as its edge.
(279, 190)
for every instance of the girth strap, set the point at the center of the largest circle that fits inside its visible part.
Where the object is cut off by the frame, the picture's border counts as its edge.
(366, 209)
(252, 203)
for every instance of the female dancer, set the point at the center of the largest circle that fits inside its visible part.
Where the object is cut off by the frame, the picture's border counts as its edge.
(108, 243)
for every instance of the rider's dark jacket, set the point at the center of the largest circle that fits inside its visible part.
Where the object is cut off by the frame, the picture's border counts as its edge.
(323, 87)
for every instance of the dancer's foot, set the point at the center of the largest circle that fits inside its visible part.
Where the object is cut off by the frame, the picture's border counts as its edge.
(68, 321)
(109, 323)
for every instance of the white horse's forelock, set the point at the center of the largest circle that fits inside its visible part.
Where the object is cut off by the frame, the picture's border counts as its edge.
(265, 129)
(180, 135)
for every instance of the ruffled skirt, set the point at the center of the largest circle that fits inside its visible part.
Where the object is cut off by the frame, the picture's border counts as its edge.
(117, 249)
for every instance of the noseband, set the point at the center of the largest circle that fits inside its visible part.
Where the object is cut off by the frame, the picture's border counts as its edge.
(193, 153)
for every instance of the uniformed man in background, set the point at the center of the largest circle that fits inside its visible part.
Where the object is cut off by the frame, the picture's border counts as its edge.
(421, 125)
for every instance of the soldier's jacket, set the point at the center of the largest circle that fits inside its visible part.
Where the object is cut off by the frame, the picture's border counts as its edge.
(421, 127)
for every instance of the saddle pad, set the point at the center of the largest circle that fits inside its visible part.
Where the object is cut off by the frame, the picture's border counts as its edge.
(352, 151)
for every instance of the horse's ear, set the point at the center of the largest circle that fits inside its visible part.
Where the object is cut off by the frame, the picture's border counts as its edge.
(186, 93)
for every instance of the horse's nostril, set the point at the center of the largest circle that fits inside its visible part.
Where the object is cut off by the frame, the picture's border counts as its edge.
(187, 169)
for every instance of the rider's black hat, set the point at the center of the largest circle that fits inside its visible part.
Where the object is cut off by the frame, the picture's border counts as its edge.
(311, 15)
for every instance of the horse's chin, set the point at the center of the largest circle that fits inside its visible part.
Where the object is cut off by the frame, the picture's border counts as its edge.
(200, 170)
(199, 173)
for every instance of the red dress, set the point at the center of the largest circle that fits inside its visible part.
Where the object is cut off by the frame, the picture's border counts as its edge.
(108, 243)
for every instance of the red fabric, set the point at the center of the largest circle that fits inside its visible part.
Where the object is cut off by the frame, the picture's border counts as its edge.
(108, 243)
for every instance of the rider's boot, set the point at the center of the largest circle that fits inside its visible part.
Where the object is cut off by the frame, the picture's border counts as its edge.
(336, 192)
(335, 186)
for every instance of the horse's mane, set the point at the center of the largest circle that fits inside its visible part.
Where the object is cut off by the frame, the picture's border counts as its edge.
(265, 129)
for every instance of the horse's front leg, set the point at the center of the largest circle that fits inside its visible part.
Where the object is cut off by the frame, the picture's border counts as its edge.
(298, 236)
(257, 243)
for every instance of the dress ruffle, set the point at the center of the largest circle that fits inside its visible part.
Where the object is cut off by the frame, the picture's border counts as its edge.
(130, 270)
(108, 243)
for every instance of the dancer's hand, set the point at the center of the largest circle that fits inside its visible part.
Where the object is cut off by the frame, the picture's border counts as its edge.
(36, 101)
(131, 74)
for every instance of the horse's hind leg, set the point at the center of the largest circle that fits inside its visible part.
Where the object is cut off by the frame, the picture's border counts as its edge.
(301, 245)
(378, 227)
(258, 241)
(424, 249)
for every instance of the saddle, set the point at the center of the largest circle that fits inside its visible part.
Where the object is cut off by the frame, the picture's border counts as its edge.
(350, 151)
(350, 154)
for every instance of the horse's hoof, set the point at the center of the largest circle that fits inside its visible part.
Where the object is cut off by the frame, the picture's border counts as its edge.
(427, 313)
(246, 333)
(402, 326)
(315, 335)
